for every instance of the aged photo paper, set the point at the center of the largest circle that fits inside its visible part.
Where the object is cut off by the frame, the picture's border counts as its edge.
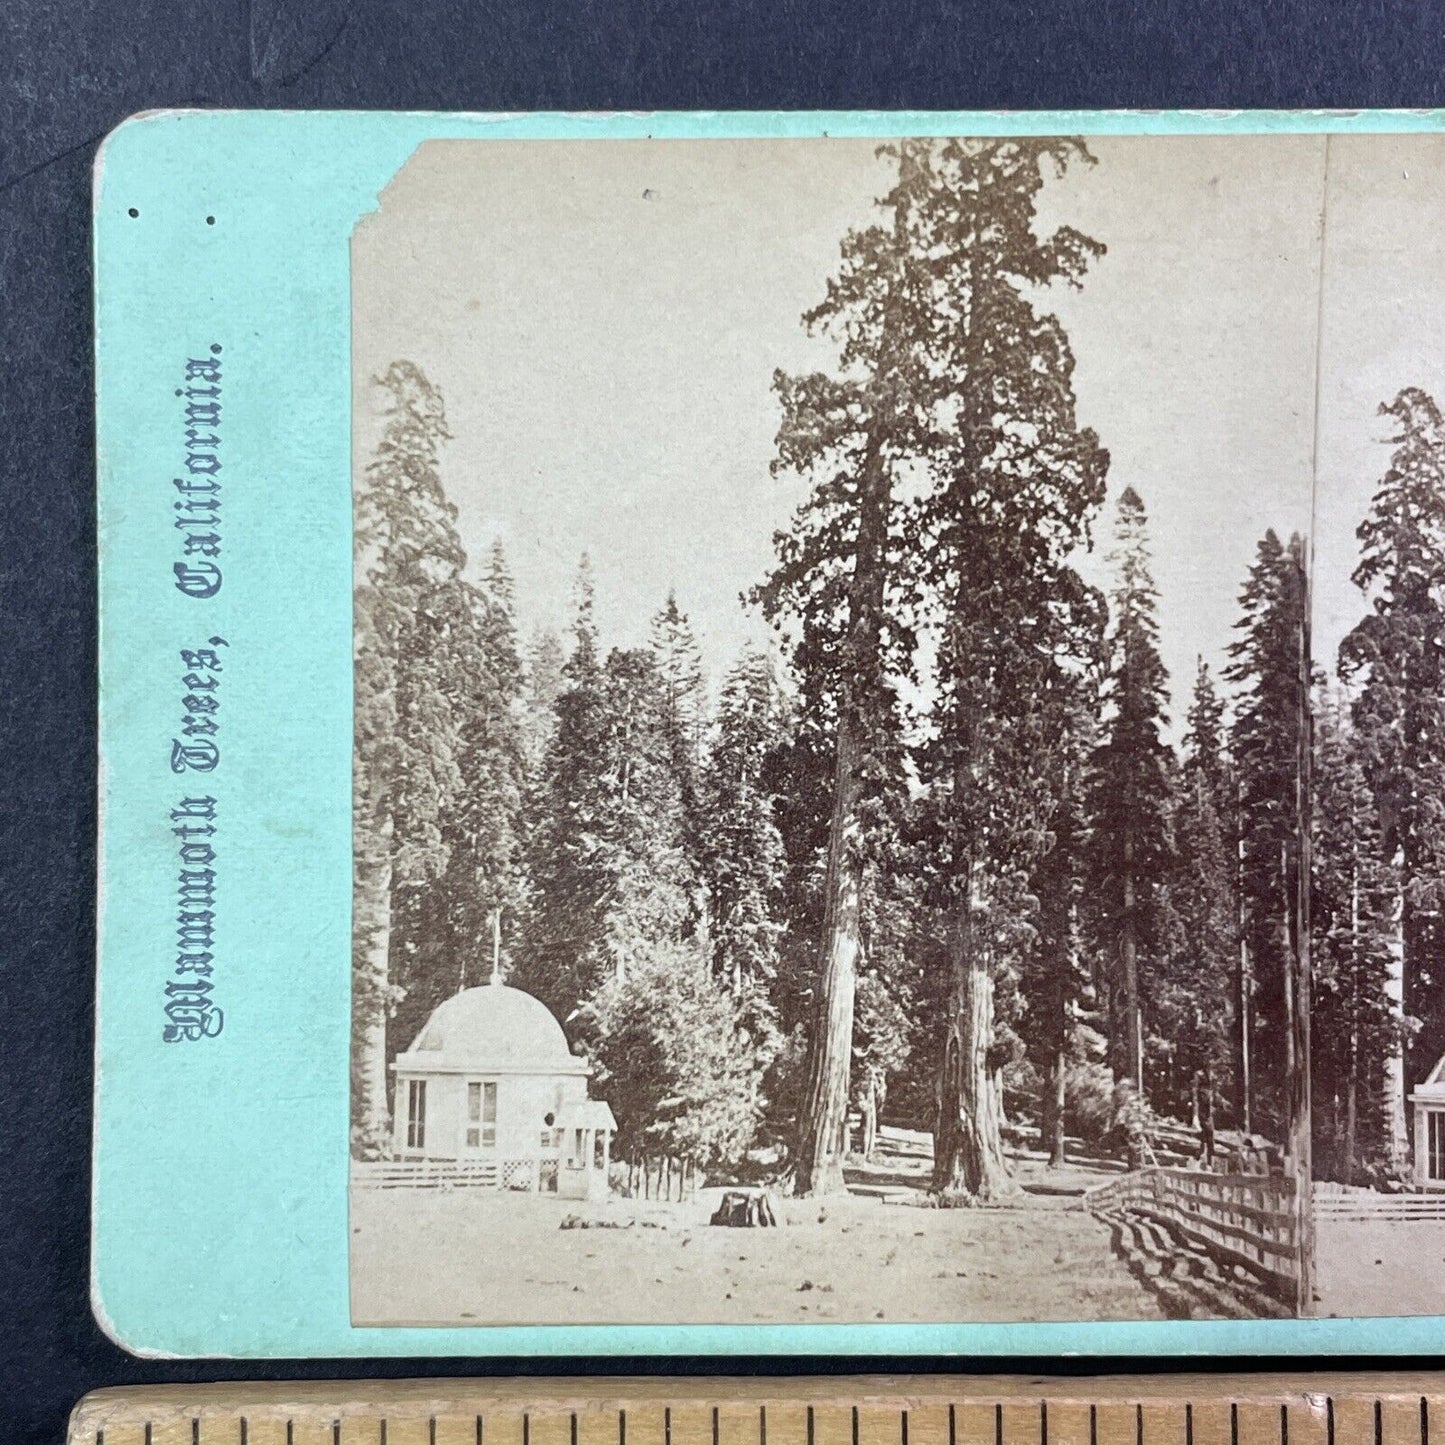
(899, 704)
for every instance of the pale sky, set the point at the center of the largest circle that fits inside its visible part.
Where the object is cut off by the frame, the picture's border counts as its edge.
(603, 319)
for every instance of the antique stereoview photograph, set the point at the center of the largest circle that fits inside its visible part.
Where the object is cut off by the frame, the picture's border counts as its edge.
(899, 731)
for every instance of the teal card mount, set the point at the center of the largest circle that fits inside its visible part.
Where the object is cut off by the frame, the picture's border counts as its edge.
(771, 734)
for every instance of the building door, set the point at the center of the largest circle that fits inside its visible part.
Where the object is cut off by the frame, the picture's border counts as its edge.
(1435, 1157)
(482, 1114)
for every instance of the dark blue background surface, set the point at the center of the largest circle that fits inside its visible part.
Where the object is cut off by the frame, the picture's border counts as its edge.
(71, 69)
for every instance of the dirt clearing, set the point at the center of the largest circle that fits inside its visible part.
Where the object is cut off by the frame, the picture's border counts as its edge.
(472, 1257)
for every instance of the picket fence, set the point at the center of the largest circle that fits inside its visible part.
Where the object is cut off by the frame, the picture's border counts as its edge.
(447, 1174)
(1363, 1206)
(662, 1177)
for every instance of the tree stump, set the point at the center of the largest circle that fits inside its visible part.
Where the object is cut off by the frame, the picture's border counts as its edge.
(745, 1209)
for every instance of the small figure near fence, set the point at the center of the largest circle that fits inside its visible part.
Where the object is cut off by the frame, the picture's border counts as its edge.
(1250, 1157)
(1131, 1123)
(1206, 1136)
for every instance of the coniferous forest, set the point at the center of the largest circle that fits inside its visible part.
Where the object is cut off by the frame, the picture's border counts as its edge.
(955, 852)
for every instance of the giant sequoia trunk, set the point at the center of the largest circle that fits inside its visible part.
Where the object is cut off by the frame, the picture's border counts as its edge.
(372, 830)
(1244, 1097)
(1055, 1098)
(1301, 1103)
(1398, 1135)
(818, 1167)
(968, 1157)
(1349, 1147)
(371, 992)
(870, 1119)
(1055, 1090)
(1129, 949)
(819, 1163)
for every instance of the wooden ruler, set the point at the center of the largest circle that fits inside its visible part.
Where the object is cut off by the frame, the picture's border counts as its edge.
(1279, 1409)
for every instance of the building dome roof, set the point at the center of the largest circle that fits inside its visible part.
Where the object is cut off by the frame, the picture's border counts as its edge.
(494, 1029)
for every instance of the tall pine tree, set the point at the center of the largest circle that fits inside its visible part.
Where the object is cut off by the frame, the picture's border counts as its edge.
(1130, 794)
(1059, 1024)
(1395, 661)
(443, 927)
(1357, 1027)
(683, 720)
(408, 600)
(1195, 997)
(684, 699)
(653, 883)
(609, 870)
(569, 817)
(1270, 720)
(545, 680)
(742, 848)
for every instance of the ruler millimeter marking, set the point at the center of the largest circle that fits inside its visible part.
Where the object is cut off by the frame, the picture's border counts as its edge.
(1378, 1408)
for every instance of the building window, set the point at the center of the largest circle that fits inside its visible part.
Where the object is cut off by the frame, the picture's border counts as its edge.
(599, 1149)
(481, 1115)
(416, 1114)
(1435, 1156)
(577, 1159)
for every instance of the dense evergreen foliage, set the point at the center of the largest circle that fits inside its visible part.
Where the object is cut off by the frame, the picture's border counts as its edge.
(1394, 662)
(1358, 1036)
(843, 580)
(1130, 793)
(1015, 483)
(942, 853)
(414, 618)
(1265, 669)
(1194, 989)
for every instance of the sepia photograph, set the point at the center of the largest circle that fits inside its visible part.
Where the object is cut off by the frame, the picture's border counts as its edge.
(899, 731)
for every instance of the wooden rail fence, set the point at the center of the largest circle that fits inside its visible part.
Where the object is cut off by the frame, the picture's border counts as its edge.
(1244, 1221)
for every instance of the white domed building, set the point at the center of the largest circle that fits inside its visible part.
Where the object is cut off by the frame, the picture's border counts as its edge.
(491, 1080)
